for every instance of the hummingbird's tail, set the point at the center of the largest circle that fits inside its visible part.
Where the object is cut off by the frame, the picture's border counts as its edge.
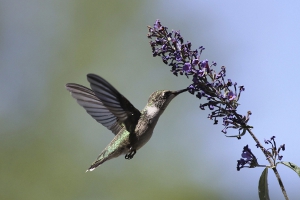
(105, 155)
(101, 159)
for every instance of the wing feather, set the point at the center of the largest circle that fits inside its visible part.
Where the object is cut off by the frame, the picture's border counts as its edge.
(93, 106)
(115, 102)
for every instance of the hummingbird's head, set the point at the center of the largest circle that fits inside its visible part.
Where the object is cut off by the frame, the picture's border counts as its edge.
(162, 98)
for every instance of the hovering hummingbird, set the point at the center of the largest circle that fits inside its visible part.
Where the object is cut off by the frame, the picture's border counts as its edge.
(132, 128)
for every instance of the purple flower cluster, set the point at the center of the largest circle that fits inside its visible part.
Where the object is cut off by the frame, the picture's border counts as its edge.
(222, 94)
(247, 158)
(273, 152)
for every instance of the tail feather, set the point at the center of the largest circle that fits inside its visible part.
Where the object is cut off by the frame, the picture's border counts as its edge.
(95, 165)
(114, 149)
(101, 159)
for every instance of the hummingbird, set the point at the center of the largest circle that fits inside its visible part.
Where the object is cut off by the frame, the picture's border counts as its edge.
(132, 128)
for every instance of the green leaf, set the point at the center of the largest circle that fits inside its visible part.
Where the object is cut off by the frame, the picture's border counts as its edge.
(263, 190)
(292, 166)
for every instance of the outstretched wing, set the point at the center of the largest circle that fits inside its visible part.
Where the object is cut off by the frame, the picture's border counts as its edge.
(93, 106)
(115, 102)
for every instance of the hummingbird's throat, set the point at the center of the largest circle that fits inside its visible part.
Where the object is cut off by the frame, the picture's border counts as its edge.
(152, 111)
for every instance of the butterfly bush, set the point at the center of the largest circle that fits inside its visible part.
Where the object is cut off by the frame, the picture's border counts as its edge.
(220, 95)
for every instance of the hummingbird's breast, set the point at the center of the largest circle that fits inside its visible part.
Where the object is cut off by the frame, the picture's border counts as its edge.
(145, 126)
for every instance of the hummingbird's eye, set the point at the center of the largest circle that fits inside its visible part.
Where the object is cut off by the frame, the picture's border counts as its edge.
(166, 94)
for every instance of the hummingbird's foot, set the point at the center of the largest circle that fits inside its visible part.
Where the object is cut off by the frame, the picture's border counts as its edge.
(130, 154)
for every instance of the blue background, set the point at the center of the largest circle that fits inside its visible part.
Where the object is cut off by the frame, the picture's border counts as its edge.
(48, 141)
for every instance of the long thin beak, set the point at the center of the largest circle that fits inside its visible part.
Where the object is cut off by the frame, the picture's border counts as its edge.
(180, 91)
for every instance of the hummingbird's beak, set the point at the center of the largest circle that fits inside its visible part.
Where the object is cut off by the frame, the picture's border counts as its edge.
(180, 91)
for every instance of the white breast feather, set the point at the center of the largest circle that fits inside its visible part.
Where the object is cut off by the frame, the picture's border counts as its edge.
(152, 110)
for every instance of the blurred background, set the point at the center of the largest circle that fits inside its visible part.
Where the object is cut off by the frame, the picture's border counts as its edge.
(48, 140)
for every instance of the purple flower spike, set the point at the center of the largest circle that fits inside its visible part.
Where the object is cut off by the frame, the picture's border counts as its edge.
(222, 93)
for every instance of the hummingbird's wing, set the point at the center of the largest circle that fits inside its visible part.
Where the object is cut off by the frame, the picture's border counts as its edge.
(88, 100)
(115, 102)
